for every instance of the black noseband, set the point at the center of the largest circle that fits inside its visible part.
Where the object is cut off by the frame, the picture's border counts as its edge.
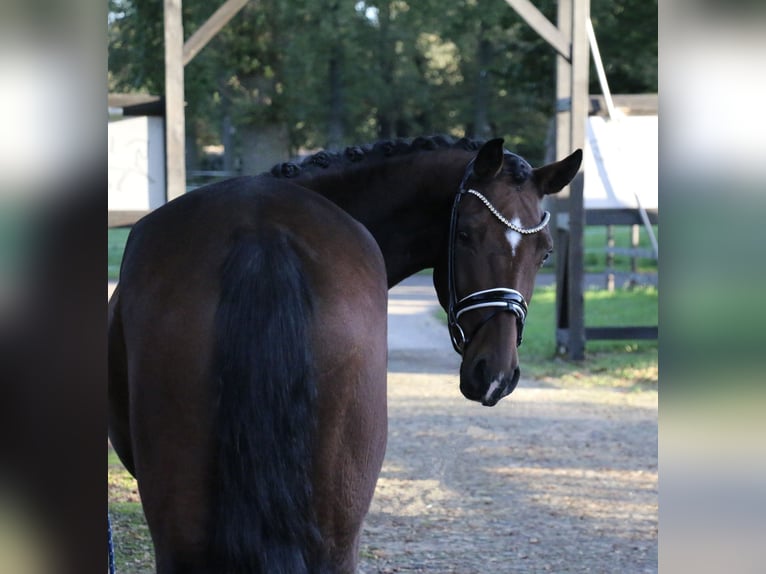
(501, 299)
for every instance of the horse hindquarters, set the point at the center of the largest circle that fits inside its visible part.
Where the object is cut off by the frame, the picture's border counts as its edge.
(352, 444)
(302, 320)
(351, 342)
(119, 427)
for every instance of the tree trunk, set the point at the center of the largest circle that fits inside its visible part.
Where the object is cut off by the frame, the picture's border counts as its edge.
(481, 126)
(336, 121)
(386, 113)
(192, 151)
(263, 146)
(227, 139)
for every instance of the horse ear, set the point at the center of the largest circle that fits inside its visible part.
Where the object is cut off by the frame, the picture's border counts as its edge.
(553, 177)
(489, 160)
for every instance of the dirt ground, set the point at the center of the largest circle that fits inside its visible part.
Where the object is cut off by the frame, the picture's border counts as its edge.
(549, 480)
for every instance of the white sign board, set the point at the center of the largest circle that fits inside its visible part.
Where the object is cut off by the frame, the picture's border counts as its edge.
(136, 164)
(620, 162)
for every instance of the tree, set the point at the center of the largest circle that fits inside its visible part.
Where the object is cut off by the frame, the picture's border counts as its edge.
(626, 31)
(284, 76)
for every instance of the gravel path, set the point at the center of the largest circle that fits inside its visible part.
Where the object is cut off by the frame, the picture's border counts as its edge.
(550, 480)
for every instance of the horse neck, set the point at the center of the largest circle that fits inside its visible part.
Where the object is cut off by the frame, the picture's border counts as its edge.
(404, 201)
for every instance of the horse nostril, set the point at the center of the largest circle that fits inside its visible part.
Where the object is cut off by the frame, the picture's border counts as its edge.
(514, 380)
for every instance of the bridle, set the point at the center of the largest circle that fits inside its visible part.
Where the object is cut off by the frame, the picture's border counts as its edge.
(501, 298)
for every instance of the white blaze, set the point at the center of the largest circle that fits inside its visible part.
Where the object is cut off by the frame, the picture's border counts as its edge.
(493, 386)
(514, 237)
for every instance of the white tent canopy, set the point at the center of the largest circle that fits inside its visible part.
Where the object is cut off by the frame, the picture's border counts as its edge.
(620, 162)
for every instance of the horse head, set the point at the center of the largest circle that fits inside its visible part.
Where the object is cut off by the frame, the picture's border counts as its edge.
(499, 237)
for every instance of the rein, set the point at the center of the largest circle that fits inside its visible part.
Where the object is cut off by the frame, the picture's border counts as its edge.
(501, 298)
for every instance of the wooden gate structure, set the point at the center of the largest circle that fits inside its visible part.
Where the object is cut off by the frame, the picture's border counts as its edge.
(570, 40)
(178, 53)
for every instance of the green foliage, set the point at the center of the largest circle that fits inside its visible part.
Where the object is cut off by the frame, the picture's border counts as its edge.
(334, 72)
(626, 31)
(115, 242)
(136, 49)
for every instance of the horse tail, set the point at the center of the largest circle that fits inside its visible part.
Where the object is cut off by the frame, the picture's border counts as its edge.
(266, 416)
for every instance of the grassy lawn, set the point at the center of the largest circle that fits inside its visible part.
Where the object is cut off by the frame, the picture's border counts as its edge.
(116, 239)
(594, 244)
(133, 551)
(624, 364)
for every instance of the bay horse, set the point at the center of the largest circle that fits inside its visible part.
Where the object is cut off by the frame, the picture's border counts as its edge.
(247, 338)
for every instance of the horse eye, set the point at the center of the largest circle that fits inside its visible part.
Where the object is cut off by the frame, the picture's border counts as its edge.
(462, 235)
(546, 257)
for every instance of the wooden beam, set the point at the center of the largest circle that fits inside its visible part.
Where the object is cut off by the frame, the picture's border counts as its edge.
(560, 201)
(618, 333)
(175, 128)
(210, 28)
(619, 216)
(564, 89)
(579, 117)
(540, 24)
(580, 73)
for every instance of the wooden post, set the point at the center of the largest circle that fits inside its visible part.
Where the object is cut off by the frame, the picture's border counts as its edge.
(634, 241)
(609, 263)
(210, 28)
(175, 127)
(560, 204)
(579, 117)
(557, 37)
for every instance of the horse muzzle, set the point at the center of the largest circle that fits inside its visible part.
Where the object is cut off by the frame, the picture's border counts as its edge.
(477, 385)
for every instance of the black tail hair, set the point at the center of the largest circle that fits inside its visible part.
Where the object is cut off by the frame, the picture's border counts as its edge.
(266, 419)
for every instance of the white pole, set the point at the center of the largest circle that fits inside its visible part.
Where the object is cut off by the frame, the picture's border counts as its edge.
(175, 122)
(600, 69)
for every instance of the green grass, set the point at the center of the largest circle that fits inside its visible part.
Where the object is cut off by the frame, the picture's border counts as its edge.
(116, 239)
(594, 243)
(623, 364)
(133, 550)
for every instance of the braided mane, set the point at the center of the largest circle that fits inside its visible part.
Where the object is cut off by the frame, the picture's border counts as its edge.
(378, 150)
